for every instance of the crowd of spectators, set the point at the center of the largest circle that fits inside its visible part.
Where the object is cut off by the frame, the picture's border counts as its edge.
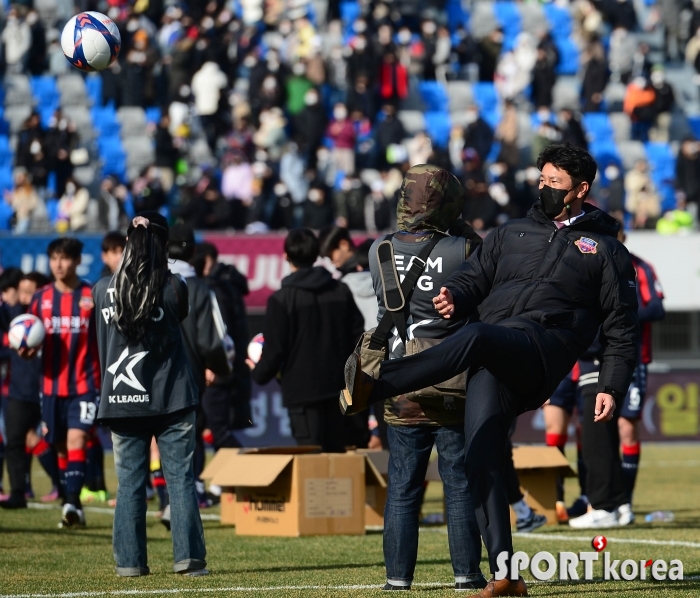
(300, 111)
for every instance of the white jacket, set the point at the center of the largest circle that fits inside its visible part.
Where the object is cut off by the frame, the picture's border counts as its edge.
(207, 84)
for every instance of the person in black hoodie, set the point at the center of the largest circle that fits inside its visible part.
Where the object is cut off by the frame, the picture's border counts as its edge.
(311, 325)
(541, 286)
(148, 389)
(226, 400)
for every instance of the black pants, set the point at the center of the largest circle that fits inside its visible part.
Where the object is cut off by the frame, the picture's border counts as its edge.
(504, 364)
(20, 417)
(319, 423)
(217, 404)
(601, 455)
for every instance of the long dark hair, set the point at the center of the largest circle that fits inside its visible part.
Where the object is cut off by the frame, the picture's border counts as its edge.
(141, 274)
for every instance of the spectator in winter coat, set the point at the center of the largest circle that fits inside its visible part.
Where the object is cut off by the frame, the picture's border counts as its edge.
(390, 131)
(642, 201)
(571, 129)
(595, 77)
(663, 105)
(349, 204)
(489, 52)
(687, 178)
(639, 105)
(360, 97)
(341, 132)
(507, 135)
(621, 54)
(72, 208)
(318, 208)
(478, 135)
(17, 39)
(310, 127)
(167, 154)
(393, 80)
(311, 326)
(24, 201)
(543, 79)
(207, 84)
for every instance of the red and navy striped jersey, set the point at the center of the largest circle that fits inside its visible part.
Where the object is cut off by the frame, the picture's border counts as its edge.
(650, 298)
(70, 361)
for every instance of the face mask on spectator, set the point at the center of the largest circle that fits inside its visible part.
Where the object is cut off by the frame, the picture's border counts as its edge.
(70, 188)
(543, 115)
(640, 82)
(35, 147)
(345, 184)
(498, 193)
(311, 99)
(404, 36)
(208, 23)
(285, 29)
(132, 25)
(280, 189)
(269, 84)
(471, 117)
(359, 27)
(250, 62)
(340, 113)
(360, 43)
(31, 18)
(658, 78)
(497, 170)
(612, 173)
(299, 69)
(315, 195)
(62, 124)
(429, 28)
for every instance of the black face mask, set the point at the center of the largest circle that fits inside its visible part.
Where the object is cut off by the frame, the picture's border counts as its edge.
(553, 200)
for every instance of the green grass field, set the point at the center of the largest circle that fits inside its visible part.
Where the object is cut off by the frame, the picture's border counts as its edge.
(37, 559)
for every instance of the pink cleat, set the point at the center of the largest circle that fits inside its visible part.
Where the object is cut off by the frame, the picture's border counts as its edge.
(51, 496)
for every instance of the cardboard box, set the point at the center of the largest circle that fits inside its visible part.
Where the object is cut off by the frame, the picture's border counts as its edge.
(376, 482)
(228, 495)
(538, 468)
(284, 492)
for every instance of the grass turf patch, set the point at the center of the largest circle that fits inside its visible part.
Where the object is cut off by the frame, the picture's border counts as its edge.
(39, 558)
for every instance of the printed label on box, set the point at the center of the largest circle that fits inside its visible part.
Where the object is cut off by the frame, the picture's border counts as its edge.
(328, 497)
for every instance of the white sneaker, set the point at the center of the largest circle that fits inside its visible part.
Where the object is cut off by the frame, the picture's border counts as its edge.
(625, 516)
(72, 516)
(598, 518)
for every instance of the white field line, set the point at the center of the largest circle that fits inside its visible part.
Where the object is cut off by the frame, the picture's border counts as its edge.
(434, 584)
(587, 539)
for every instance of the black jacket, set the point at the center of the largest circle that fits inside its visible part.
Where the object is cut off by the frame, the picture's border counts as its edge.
(203, 329)
(25, 374)
(150, 378)
(559, 286)
(311, 326)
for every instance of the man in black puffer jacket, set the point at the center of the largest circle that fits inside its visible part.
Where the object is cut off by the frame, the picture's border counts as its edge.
(311, 325)
(540, 286)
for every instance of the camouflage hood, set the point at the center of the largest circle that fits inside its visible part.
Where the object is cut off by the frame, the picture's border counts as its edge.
(431, 198)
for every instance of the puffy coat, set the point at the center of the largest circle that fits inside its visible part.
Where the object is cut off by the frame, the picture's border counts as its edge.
(559, 286)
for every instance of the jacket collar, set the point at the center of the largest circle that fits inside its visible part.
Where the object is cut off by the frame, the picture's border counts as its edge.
(593, 220)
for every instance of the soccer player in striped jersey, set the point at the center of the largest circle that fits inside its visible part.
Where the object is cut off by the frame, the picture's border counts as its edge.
(71, 369)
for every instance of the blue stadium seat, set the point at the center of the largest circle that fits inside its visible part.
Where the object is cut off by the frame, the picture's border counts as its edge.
(495, 150)
(456, 15)
(508, 16)
(694, 123)
(605, 151)
(5, 144)
(45, 91)
(153, 114)
(492, 117)
(598, 126)
(6, 181)
(6, 214)
(51, 184)
(438, 126)
(485, 96)
(434, 95)
(568, 56)
(349, 11)
(52, 210)
(105, 121)
(93, 83)
(559, 20)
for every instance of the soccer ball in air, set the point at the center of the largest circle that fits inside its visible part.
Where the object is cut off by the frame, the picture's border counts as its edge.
(90, 41)
(26, 332)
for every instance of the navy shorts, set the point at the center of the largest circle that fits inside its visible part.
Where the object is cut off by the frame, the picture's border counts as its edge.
(634, 399)
(567, 395)
(61, 414)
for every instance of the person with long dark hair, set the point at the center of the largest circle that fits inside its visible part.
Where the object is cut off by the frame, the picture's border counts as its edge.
(148, 391)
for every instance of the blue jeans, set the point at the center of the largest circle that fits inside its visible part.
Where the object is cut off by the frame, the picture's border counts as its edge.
(131, 460)
(409, 456)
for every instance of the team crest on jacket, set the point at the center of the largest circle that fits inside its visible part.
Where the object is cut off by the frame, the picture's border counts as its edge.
(86, 303)
(586, 245)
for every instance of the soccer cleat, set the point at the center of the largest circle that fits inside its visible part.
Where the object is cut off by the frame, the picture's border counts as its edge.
(354, 398)
(625, 515)
(475, 584)
(391, 586)
(72, 517)
(51, 496)
(15, 501)
(595, 519)
(528, 524)
(502, 587)
(562, 514)
(580, 507)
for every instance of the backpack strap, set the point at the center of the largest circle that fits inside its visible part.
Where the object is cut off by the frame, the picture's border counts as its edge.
(397, 296)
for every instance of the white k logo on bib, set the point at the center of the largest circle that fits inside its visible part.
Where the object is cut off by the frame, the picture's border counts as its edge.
(128, 378)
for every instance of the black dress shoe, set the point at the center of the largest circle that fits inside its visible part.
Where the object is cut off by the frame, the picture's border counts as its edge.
(16, 501)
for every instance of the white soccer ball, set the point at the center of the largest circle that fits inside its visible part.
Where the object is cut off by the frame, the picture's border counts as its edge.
(26, 332)
(91, 41)
(255, 348)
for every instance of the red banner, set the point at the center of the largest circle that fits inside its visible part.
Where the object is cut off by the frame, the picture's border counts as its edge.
(671, 411)
(259, 258)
